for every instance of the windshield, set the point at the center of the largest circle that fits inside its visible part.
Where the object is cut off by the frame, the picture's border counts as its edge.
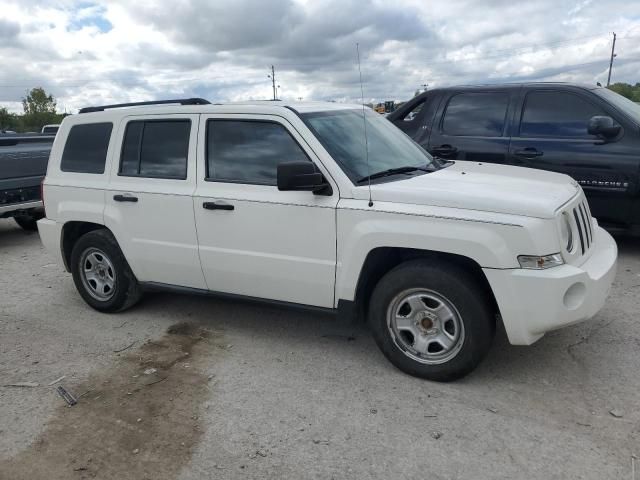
(341, 132)
(621, 103)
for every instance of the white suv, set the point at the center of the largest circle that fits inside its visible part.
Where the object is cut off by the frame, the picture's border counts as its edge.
(292, 204)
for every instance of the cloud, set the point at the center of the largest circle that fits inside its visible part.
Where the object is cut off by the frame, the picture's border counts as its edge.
(101, 51)
(8, 32)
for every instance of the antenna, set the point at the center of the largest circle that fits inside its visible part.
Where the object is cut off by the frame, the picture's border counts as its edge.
(364, 120)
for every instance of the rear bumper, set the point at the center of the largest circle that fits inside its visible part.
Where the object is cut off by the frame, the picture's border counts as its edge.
(51, 236)
(533, 302)
(10, 209)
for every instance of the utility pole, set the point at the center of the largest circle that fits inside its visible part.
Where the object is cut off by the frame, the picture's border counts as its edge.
(613, 54)
(273, 81)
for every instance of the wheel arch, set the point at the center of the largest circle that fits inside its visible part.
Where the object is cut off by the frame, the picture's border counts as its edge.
(379, 261)
(71, 232)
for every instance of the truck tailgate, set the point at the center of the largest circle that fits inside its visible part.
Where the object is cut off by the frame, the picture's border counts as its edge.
(24, 156)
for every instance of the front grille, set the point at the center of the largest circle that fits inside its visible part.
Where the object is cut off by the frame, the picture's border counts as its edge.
(582, 216)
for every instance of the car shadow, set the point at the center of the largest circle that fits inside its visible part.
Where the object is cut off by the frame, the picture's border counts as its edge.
(303, 331)
(11, 234)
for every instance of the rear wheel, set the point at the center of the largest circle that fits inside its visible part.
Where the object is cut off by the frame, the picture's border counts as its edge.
(101, 273)
(29, 221)
(431, 319)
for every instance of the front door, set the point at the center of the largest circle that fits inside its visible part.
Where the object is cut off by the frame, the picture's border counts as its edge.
(254, 240)
(552, 135)
(148, 204)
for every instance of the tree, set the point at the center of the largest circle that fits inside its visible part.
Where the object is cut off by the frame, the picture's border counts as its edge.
(39, 110)
(632, 92)
(37, 101)
(8, 120)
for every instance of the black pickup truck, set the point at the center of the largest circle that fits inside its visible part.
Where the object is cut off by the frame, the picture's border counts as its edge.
(23, 165)
(589, 133)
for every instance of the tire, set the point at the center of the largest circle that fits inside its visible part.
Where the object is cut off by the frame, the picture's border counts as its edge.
(101, 273)
(432, 319)
(29, 222)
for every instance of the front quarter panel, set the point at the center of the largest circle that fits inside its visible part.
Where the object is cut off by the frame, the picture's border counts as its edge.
(491, 240)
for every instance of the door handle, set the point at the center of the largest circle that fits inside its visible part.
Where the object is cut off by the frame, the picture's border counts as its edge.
(444, 150)
(125, 198)
(217, 206)
(528, 153)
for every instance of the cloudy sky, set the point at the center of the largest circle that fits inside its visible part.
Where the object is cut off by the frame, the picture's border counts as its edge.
(94, 52)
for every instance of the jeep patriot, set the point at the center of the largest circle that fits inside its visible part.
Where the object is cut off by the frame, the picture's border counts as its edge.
(293, 204)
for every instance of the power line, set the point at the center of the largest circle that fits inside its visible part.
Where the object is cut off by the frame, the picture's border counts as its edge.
(525, 49)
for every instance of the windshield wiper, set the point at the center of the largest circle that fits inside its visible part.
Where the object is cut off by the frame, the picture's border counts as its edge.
(392, 171)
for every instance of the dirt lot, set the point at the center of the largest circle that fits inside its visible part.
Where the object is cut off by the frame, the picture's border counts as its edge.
(241, 391)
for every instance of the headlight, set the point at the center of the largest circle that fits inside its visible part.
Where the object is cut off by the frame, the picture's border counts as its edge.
(566, 231)
(535, 262)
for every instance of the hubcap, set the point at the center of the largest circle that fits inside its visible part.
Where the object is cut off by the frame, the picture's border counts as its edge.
(425, 325)
(98, 274)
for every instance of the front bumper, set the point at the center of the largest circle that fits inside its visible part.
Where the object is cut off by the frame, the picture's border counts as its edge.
(533, 302)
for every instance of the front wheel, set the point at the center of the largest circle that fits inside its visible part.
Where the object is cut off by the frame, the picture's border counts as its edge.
(101, 273)
(431, 319)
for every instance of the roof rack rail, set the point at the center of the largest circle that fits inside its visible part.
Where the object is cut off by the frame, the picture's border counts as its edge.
(181, 101)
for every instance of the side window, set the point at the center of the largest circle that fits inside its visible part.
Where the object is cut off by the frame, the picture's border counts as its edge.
(156, 149)
(556, 114)
(413, 113)
(244, 151)
(415, 118)
(86, 148)
(476, 114)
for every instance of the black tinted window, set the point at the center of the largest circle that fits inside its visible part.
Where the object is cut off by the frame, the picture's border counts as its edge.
(556, 114)
(248, 152)
(415, 119)
(130, 158)
(86, 148)
(477, 114)
(413, 113)
(156, 148)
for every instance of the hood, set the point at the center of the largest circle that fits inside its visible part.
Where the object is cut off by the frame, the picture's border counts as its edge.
(484, 186)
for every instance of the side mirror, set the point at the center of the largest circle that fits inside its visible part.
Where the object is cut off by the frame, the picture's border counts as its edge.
(602, 126)
(302, 176)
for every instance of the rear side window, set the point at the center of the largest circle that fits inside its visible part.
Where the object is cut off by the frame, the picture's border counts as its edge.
(556, 114)
(476, 114)
(156, 149)
(86, 148)
(248, 151)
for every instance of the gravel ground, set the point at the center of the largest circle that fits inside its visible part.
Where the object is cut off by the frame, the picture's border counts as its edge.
(246, 391)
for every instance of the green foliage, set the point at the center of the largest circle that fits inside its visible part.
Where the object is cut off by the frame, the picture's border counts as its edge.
(37, 101)
(632, 92)
(8, 121)
(39, 110)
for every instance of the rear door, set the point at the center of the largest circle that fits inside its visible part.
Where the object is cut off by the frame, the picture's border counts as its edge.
(149, 204)
(551, 134)
(472, 125)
